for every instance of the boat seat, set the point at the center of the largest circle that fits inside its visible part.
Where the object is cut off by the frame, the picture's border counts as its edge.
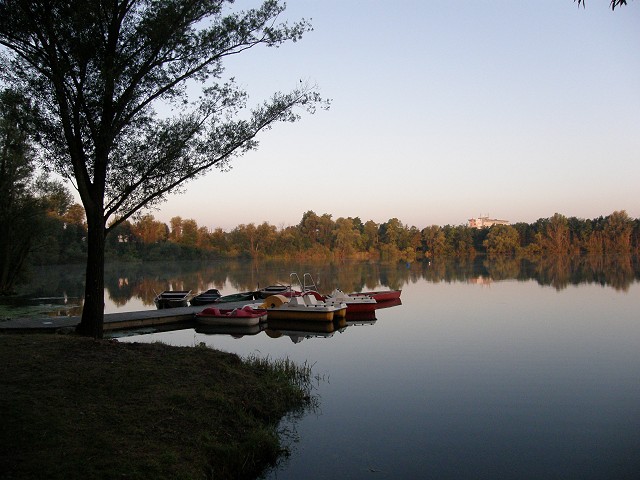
(296, 300)
(310, 300)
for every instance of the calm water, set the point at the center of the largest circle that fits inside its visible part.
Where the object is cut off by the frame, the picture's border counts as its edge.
(484, 371)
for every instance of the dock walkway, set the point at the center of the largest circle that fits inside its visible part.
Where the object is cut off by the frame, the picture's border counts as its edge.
(114, 321)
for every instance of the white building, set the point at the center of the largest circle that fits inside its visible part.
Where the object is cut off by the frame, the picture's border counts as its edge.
(486, 222)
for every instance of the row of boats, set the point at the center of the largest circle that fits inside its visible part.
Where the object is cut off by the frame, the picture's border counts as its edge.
(279, 302)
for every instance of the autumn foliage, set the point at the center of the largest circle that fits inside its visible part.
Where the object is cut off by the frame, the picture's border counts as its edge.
(322, 237)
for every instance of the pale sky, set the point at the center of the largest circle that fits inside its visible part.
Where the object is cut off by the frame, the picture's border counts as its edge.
(441, 111)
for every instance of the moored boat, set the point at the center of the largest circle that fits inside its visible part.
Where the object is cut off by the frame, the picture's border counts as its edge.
(277, 289)
(355, 303)
(245, 316)
(380, 295)
(204, 298)
(236, 297)
(303, 307)
(172, 299)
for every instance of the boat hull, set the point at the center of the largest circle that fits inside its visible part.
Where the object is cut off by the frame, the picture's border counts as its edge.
(293, 314)
(163, 303)
(242, 317)
(295, 308)
(381, 296)
(172, 299)
(355, 308)
(355, 304)
(205, 298)
(272, 290)
(236, 297)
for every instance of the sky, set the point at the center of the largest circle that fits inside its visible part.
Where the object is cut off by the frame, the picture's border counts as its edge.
(440, 111)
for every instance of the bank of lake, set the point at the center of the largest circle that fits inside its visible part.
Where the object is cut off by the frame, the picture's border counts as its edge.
(75, 407)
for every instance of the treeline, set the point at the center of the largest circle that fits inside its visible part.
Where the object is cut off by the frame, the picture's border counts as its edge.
(321, 237)
(38, 221)
(55, 233)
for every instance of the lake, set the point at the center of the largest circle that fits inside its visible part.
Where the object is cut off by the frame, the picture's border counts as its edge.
(486, 370)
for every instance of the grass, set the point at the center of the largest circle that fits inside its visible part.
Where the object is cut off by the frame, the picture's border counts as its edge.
(74, 407)
(23, 309)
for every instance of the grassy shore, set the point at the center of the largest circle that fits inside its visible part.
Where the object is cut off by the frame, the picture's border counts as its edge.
(74, 407)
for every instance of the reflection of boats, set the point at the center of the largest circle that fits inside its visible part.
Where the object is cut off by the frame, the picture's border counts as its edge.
(368, 317)
(172, 298)
(236, 331)
(245, 316)
(204, 298)
(298, 330)
(356, 318)
(303, 307)
(360, 323)
(236, 297)
(389, 303)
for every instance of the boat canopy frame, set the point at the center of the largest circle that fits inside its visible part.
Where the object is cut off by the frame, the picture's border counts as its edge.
(304, 286)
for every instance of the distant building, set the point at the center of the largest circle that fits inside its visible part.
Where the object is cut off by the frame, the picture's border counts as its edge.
(486, 222)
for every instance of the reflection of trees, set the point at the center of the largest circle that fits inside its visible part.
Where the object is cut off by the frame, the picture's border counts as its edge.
(125, 281)
(554, 270)
(502, 268)
(56, 281)
(144, 280)
(558, 271)
(619, 272)
(450, 269)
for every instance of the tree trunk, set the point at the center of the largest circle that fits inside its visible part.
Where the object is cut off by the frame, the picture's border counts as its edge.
(92, 320)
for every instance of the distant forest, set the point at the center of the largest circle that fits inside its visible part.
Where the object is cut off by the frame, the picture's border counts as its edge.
(63, 239)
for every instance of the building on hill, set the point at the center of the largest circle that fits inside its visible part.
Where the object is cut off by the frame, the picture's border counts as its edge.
(486, 222)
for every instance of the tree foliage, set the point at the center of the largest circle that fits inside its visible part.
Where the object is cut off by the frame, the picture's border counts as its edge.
(18, 205)
(37, 216)
(613, 3)
(114, 83)
(502, 240)
(557, 235)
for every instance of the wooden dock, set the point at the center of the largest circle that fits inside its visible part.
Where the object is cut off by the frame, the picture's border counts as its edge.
(114, 321)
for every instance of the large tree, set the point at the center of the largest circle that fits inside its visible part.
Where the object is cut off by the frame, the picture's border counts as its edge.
(114, 79)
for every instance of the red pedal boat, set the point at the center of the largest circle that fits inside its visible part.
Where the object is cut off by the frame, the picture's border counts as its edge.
(380, 295)
(245, 316)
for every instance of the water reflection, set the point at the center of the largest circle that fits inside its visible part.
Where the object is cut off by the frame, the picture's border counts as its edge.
(505, 380)
(298, 330)
(133, 286)
(236, 331)
(144, 280)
